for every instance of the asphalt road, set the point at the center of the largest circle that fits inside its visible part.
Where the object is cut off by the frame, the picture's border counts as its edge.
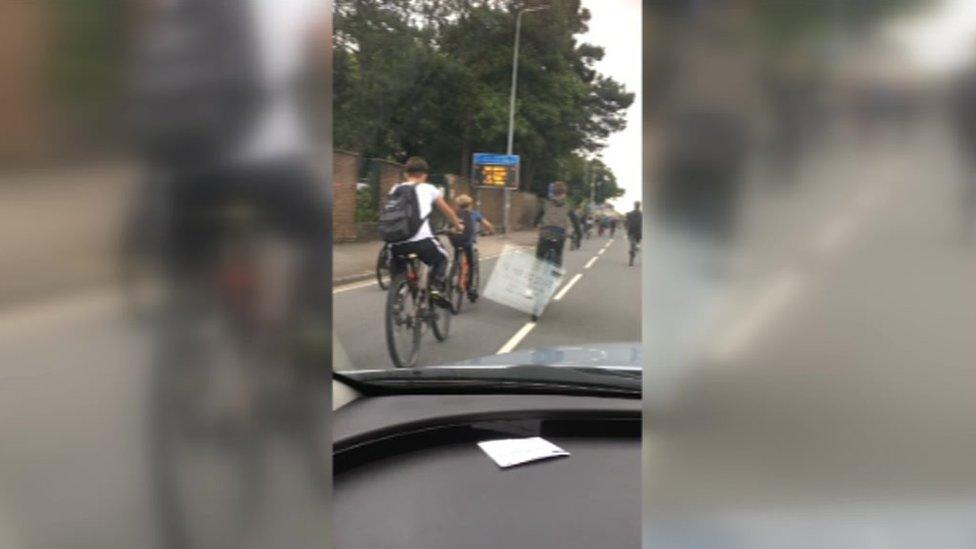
(600, 304)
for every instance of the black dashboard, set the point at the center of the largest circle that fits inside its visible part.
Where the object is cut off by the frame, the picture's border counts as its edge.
(408, 472)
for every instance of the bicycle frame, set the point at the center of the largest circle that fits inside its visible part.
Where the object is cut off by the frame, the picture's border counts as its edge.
(463, 267)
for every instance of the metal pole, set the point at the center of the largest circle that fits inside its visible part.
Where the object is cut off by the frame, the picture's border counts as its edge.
(511, 96)
(589, 172)
(511, 119)
(511, 107)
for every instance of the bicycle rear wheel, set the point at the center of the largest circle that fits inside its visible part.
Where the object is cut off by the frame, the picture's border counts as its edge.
(455, 279)
(383, 268)
(475, 279)
(403, 327)
(440, 319)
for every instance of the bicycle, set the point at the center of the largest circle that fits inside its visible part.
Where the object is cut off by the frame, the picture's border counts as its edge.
(575, 241)
(549, 257)
(410, 309)
(458, 278)
(634, 249)
(228, 376)
(383, 265)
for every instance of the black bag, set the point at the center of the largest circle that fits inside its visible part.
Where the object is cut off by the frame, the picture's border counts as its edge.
(195, 82)
(400, 218)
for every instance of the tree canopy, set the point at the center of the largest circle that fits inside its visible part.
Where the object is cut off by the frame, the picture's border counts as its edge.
(432, 78)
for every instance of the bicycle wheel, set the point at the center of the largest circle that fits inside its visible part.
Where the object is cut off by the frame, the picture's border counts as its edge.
(440, 319)
(192, 441)
(383, 268)
(475, 279)
(455, 280)
(402, 324)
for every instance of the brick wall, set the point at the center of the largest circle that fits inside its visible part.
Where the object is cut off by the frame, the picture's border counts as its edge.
(490, 201)
(523, 207)
(344, 175)
(390, 173)
(22, 107)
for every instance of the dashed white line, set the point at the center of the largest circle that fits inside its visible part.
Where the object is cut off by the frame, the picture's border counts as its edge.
(516, 339)
(601, 251)
(566, 288)
(591, 262)
(776, 295)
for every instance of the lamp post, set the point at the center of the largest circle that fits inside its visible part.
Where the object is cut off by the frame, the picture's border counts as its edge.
(511, 103)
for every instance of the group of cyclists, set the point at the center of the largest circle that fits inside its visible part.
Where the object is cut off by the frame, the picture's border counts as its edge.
(557, 222)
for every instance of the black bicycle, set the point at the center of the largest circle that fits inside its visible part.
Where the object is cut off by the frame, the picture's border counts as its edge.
(228, 377)
(550, 258)
(410, 309)
(383, 267)
(634, 250)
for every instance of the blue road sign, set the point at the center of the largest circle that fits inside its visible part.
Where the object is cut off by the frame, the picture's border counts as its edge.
(492, 159)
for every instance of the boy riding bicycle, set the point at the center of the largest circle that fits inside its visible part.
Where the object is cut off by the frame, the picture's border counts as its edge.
(423, 242)
(466, 240)
(553, 222)
(634, 222)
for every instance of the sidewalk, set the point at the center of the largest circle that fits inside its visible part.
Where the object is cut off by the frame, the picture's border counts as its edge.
(356, 261)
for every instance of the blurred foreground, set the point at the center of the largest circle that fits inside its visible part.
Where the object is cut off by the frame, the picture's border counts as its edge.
(164, 303)
(809, 303)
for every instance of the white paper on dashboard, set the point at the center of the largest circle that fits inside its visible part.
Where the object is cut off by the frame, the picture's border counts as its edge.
(514, 451)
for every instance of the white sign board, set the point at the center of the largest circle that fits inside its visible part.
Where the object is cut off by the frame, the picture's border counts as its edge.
(516, 451)
(522, 281)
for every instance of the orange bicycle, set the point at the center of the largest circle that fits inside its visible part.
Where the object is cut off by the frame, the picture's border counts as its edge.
(459, 274)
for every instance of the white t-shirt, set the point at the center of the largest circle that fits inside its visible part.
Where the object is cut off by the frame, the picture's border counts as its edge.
(426, 195)
(283, 29)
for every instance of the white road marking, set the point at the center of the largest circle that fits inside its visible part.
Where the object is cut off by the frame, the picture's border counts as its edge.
(601, 251)
(784, 287)
(38, 316)
(591, 262)
(355, 286)
(566, 288)
(517, 338)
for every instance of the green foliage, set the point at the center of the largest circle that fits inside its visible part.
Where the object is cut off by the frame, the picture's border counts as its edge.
(365, 210)
(432, 77)
(84, 63)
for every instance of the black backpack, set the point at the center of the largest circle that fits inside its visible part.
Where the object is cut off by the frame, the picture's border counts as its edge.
(195, 82)
(400, 218)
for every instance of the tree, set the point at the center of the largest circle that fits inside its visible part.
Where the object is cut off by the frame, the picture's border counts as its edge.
(432, 77)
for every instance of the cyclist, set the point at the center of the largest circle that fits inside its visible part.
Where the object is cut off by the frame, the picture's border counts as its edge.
(470, 218)
(634, 223)
(553, 221)
(576, 218)
(423, 242)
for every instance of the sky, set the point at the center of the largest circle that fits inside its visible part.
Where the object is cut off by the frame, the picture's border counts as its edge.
(943, 39)
(616, 25)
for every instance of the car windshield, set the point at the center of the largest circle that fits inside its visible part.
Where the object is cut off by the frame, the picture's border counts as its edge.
(513, 246)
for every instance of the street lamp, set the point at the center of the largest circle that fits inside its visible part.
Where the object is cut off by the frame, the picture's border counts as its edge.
(511, 100)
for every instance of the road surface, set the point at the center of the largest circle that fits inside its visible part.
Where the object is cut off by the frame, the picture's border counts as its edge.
(597, 302)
